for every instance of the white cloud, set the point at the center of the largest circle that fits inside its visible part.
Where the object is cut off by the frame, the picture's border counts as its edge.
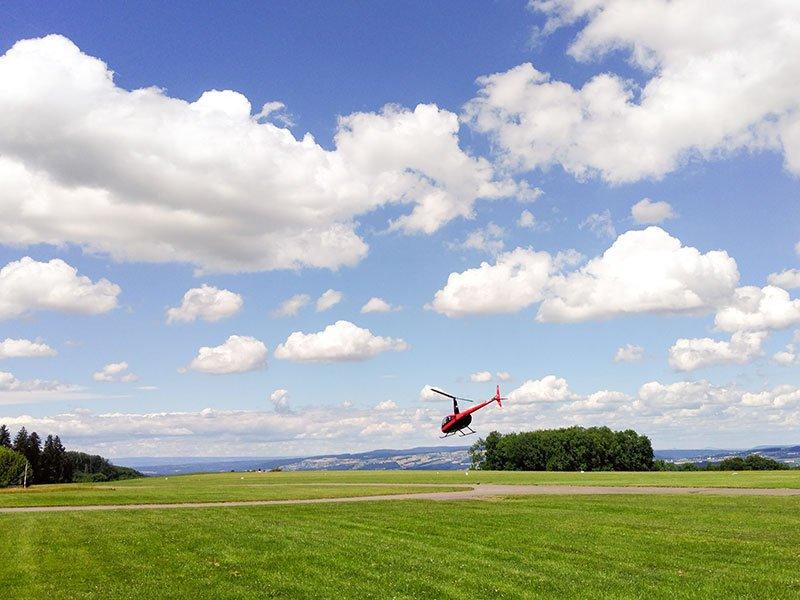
(328, 299)
(291, 306)
(526, 220)
(386, 405)
(115, 372)
(503, 375)
(141, 176)
(27, 286)
(11, 348)
(598, 402)
(378, 305)
(786, 357)
(648, 212)
(516, 280)
(722, 78)
(782, 396)
(342, 341)
(681, 398)
(238, 354)
(207, 303)
(788, 279)
(629, 353)
(600, 224)
(480, 377)
(758, 309)
(17, 391)
(426, 394)
(488, 239)
(546, 389)
(690, 354)
(645, 271)
(280, 400)
(213, 432)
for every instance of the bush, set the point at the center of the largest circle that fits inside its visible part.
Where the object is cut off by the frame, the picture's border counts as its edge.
(12, 467)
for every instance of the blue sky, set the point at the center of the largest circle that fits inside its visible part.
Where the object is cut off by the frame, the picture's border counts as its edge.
(630, 111)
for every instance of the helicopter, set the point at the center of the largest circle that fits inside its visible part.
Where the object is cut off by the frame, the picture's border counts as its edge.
(460, 421)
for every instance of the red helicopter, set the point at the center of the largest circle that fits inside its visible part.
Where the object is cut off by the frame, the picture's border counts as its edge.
(459, 421)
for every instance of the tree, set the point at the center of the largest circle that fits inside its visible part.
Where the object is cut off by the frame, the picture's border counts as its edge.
(52, 465)
(20, 441)
(12, 467)
(33, 452)
(5, 437)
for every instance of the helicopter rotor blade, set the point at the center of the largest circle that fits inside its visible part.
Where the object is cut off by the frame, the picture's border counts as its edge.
(451, 395)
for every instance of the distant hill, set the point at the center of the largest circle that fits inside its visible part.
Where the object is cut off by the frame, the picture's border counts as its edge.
(443, 458)
(786, 454)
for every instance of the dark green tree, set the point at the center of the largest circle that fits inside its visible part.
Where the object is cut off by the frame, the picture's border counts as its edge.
(20, 443)
(33, 453)
(5, 437)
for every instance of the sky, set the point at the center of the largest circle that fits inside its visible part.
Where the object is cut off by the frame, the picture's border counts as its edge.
(237, 230)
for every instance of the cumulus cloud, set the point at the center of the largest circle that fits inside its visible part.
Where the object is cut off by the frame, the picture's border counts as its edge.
(291, 306)
(757, 309)
(600, 224)
(787, 356)
(489, 239)
(342, 341)
(141, 176)
(788, 279)
(690, 354)
(207, 303)
(645, 271)
(629, 353)
(715, 86)
(280, 401)
(11, 348)
(516, 280)
(480, 377)
(546, 389)
(115, 372)
(503, 375)
(27, 286)
(648, 212)
(378, 305)
(328, 299)
(213, 432)
(526, 220)
(238, 354)
(426, 394)
(18, 391)
(386, 405)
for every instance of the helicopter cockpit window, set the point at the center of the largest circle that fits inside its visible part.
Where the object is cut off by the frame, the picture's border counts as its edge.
(447, 419)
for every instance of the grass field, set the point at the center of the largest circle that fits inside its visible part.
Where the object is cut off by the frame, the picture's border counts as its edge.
(557, 546)
(323, 484)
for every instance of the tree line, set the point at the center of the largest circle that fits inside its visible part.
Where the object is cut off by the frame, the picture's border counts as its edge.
(24, 459)
(752, 462)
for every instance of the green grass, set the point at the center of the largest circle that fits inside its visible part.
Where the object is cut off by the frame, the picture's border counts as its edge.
(197, 488)
(323, 484)
(750, 479)
(547, 546)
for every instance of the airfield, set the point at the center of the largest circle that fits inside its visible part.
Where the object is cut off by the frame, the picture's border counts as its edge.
(406, 534)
